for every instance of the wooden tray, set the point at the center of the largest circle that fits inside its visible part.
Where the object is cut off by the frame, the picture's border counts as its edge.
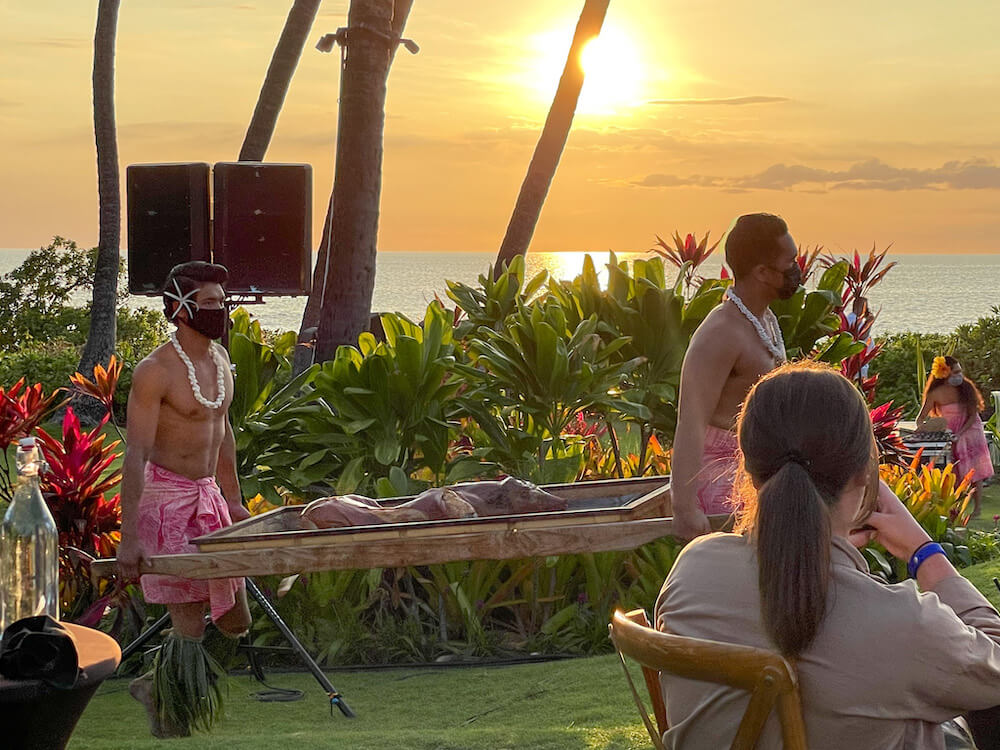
(603, 501)
(602, 516)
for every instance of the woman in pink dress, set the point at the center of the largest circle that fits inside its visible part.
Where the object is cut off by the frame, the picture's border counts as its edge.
(952, 396)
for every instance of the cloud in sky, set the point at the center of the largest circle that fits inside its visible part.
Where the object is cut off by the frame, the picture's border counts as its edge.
(63, 42)
(874, 174)
(732, 101)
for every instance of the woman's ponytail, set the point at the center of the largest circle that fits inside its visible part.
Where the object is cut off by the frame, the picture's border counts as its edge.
(793, 552)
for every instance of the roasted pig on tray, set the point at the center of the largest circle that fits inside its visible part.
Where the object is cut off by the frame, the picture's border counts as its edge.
(501, 498)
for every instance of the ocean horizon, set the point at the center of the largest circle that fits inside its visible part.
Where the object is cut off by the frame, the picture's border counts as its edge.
(929, 293)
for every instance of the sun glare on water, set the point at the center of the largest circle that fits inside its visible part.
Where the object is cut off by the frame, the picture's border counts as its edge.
(613, 71)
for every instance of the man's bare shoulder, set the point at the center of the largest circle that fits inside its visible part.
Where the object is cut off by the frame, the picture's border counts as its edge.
(221, 350)
(724, 325)
(157, 365)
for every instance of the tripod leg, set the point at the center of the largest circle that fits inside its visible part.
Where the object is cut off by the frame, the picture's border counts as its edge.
(145, 636)
(335, 697)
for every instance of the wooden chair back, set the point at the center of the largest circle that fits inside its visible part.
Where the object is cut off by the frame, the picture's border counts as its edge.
(767, 676)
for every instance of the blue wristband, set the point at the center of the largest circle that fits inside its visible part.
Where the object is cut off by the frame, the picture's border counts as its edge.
(925, 550)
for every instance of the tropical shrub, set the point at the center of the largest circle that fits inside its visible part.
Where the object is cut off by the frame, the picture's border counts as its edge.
(536, 374)
(652, 314)
(75, 487)
(496, 297)
(939, 500)
(22, 409)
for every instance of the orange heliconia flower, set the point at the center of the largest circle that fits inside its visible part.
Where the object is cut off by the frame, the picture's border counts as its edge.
(102, 387)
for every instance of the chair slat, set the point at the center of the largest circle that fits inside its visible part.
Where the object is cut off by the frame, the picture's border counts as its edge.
(769, 678)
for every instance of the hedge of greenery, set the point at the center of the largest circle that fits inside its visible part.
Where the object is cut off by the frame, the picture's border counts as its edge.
(548, 379)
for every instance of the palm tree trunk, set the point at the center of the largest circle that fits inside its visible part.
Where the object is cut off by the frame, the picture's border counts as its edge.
(101, 337)
(279, 76)
(550, 146)
(308, 331)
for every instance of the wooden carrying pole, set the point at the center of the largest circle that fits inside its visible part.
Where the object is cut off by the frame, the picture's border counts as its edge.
(550, 145)
(404, 552)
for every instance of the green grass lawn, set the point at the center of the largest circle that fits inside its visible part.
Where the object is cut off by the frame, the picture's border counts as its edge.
(990, 507)
(575, 703)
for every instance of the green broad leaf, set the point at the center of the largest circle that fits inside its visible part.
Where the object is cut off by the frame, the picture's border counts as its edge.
(355, 426)
(834, 276)
(313, 458)
(384, 488)
(409, 358)
(560, 619)
(400, 481)
(386, 450)
(559, 470)
(535, 284)
(354, 391)
(878, 559)
(351, 477)
(547, 341)
(367, 344)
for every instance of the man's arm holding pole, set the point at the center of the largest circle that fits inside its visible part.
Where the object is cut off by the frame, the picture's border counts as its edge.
(225, 475)
(143, 414)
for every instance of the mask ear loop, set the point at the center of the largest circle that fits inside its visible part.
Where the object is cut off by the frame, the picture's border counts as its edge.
(184, 300)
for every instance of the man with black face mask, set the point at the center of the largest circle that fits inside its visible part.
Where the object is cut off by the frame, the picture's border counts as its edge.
(179, 478)
(737, 343)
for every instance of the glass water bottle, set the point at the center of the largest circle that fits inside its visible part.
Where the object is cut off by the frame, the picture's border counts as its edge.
(29, 546)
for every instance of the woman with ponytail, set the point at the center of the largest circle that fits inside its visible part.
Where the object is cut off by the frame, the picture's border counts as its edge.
(949, 394)
(880, 666)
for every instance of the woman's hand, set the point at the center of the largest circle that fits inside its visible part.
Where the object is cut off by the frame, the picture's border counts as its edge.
(895, 527)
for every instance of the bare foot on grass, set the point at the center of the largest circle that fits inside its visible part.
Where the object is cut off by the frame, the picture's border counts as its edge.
(141, 688)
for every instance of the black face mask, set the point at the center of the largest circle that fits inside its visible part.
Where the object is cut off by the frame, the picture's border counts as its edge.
(209, 323)
(792, 281)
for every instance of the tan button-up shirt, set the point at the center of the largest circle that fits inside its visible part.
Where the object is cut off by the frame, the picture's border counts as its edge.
(888, 665)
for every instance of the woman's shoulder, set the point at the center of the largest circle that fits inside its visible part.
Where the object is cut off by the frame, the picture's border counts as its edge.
(719, 544)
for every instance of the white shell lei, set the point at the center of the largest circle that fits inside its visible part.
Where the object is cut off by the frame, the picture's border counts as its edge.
(772, 339)
(220, 375)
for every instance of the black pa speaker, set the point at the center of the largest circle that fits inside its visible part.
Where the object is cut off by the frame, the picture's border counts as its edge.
(168, 221)
(263, 226)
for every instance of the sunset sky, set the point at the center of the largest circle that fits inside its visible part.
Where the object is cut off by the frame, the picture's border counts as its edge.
(859, 122)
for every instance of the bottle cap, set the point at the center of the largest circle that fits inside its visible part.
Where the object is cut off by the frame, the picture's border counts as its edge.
(28, 442)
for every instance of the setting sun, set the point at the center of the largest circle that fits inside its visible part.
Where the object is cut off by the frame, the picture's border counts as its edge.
(611, 63)
(613, 72)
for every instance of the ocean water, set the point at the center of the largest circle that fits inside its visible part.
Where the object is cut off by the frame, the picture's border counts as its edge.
(927, 293)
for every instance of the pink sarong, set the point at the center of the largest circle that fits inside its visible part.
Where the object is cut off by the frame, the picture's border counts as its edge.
(969, 449)
(719, 461)
(174, 510)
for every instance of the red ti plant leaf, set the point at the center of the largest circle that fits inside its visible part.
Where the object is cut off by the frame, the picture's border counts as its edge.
(21, 410)
(688, 250)
(891, 449)
(806, 259)
(74, 487)
(861, 277)
(685, 251)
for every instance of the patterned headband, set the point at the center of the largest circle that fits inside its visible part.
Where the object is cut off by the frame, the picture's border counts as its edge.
(184, 300)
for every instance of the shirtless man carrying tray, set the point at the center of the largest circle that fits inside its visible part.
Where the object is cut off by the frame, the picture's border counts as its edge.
(180, 483)
(737, 343)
